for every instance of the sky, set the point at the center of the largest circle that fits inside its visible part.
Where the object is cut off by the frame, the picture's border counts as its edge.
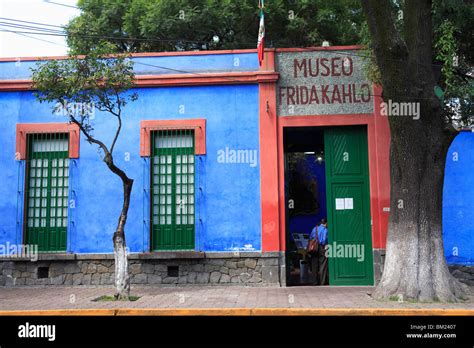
(52, 12)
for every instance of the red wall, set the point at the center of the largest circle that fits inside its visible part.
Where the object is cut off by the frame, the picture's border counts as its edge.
(272, 166)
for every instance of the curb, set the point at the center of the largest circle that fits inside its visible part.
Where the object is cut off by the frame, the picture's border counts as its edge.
(244, 312)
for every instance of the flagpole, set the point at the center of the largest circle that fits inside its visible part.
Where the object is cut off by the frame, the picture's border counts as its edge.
(261, 33)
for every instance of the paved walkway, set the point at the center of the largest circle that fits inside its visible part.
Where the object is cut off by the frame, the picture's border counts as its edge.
(192, 297)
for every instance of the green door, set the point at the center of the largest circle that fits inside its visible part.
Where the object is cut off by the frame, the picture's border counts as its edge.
(47, 191)
(348, 205)
(172, 190)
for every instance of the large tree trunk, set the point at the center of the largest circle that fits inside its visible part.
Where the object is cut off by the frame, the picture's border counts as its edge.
(122, 279)
(415, 266)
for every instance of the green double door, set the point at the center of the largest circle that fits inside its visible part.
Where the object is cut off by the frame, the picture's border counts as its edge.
(172, 190)
(47, 190)
(350, 258)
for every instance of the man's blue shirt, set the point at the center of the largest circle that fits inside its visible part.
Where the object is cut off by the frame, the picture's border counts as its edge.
(322, 235)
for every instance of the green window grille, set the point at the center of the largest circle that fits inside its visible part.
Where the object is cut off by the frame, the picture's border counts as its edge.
(47, 189)
(172, 190)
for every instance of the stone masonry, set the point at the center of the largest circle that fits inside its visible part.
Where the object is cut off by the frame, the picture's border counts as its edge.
(463, 273)
(230, 270)
(252, 269)
(379, 260)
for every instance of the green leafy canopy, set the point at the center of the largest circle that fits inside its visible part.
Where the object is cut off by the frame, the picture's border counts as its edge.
(163, 25)
(97, 79)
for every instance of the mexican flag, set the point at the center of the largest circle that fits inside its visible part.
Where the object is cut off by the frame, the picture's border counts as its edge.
(261, 34)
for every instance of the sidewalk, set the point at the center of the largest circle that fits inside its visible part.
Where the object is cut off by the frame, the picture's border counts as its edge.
(235, 300)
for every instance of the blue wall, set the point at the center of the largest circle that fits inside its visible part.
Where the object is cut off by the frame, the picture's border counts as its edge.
(228, 213)
(197, 63)
(458, 201)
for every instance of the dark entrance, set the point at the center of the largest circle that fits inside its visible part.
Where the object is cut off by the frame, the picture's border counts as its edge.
(305, 191)
(327, 176)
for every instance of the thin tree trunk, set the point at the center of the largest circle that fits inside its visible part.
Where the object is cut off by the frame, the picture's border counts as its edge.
(122, 279)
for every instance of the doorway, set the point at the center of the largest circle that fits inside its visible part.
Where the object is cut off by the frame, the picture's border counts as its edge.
(327, 177)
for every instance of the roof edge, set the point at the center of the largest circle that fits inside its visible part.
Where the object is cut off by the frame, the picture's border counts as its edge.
(198, 53)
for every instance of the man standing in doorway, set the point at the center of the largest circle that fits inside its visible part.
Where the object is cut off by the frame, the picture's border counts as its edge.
(313, 255)
(322, 259)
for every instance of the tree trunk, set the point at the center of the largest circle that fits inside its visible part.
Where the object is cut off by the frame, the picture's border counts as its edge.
(122, 279)
(415, 266)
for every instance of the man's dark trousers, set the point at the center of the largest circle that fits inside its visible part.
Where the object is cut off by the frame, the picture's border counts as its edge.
(323, 266)
(314, 264)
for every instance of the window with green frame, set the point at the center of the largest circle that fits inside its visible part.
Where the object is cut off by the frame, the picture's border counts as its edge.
(47, 188)
(172, 190)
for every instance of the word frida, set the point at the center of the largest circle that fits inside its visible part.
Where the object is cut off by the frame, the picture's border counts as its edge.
(237, 156)
(37, 331)
(325, 94)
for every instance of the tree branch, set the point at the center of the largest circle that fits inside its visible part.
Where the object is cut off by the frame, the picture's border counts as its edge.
(119, 117)
(390, 50)
(418, 32)
(108, 159)
(85, 132)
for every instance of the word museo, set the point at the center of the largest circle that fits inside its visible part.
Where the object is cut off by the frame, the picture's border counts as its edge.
(37, 331)
(340, 87)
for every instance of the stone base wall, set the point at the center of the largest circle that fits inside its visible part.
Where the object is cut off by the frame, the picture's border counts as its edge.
(379, 261)
(463, 273)
(252, 269)
(241, 270)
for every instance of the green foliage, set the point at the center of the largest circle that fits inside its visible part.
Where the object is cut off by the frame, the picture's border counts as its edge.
(97, 79)
(450, 47)
(371, 69)
(453, 52)
(446, 49)
(459, 13)
(162, 25)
